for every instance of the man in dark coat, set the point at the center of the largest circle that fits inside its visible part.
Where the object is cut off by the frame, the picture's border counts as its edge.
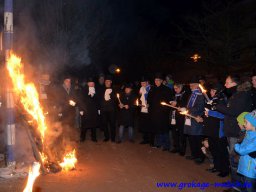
(254, 90)
(213, 130)
(177, 120)
(126, 113)
(192, 127)
(159, 114)
(144, 122)
(240, 100)
(89, 110)
(108, 107)
(66, 102)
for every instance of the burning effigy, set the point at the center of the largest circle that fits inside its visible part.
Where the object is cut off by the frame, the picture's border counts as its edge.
(49, 150)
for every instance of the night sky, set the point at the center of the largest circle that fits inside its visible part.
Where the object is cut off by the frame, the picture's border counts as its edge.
(86, 37)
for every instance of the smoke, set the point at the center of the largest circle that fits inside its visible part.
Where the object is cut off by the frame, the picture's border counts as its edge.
(50, 36)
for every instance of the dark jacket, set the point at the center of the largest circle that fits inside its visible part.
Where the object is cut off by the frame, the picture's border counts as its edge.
(108, 105)
(90, 106)
(62, 101)
(214, 123)
(126, 116)
(240, 101)
(254, 97)
(182, 100)
(195, 109)
(159, 115)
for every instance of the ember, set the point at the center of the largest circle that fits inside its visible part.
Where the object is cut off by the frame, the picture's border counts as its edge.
(69, 161)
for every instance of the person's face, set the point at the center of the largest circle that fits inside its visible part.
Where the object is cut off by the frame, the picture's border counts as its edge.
(213, 92)
(108, 83)
(91, 84)
(158, 82)
(193, 86)
(249, 126)
(67, 83)
(254, 81)
(144, 83)
(127, 90)
(177, 89)
(101, 80)
(229, 83)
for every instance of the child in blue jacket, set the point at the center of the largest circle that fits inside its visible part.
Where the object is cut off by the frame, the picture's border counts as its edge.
(247, 164)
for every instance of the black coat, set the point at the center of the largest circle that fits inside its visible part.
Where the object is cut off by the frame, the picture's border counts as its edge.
(126, 116)
(62, 101)
(110, 105)
(254, 97)
(182, 100)
(159, 114)
(90, 106)
(240, 101)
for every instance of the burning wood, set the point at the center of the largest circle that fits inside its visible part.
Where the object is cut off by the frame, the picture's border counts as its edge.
(33, 174)
(29, 98)
(69, 161)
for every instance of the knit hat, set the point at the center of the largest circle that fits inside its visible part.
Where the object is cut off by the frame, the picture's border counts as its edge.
(194, 79)
(240, 118)
(251, 117)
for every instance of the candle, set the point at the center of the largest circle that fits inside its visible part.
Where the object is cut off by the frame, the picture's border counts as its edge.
(204, 93)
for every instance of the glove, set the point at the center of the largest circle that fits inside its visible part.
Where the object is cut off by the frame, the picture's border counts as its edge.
(72, 103)
(252, 154)
(81, 113)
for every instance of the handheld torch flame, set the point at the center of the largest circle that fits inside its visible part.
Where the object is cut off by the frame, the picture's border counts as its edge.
(33, 174)
(184, 112)
(202, 88)
(137, 102)
(69, 161)
(163, 103)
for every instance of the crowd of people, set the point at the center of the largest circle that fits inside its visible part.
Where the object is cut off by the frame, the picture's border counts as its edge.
(213, 117)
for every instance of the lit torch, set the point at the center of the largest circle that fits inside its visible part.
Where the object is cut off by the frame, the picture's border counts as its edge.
(118, 97)
(139, 105)
(165, 104)
(204, 93)
(33, 174)
(186, 114)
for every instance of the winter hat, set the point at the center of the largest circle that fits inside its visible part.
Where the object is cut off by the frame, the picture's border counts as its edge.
(159, 76)
(240, 118)
(144, 79)
(90, 79)
(128, 85)
(194, 79)
(108, 77)
(251, 117)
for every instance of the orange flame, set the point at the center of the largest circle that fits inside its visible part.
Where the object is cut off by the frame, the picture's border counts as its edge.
(27, 92)
(184, 112)
(118, 96)
(202, 88)
(137, 102)
(33, 174)
(163, 103)
(69, 161)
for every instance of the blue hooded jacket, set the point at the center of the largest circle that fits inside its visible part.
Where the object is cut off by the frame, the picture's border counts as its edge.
(247, 164)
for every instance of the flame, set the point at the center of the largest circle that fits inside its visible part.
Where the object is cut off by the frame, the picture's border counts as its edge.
(137, 102)
(69, 161)
(202, 88)
(33, 174)
(184, 112)
(27, 92)
(163, 103)
(118, 96)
